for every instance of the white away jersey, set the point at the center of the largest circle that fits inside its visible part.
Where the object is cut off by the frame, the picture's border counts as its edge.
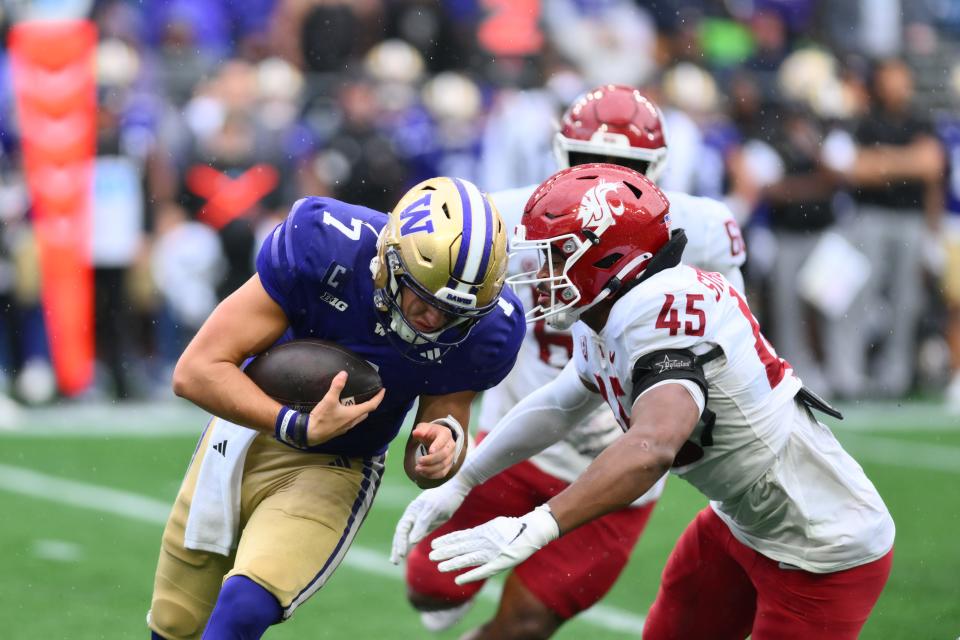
(714, 243)
(774, 474)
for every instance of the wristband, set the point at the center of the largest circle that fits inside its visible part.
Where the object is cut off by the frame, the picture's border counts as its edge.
(459, 437)
(290, 428)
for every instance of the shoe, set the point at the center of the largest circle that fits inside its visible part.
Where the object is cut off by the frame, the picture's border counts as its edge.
(443, 619)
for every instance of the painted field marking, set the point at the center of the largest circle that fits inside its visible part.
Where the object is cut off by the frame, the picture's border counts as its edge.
(57, 550)
(150, 510)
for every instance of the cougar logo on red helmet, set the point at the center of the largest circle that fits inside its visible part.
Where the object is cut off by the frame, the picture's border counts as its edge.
(596, 209)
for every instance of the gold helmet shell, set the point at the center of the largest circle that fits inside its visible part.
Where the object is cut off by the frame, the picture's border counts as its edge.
(446, 241)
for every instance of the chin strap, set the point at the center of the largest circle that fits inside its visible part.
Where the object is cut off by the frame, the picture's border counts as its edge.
(667, 257)
(565, 319)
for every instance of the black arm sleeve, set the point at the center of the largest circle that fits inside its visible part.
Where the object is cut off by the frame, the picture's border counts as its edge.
(668, 364)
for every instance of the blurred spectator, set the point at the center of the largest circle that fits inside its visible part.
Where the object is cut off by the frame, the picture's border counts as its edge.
(454, 103)
(359, 159)
(118, 226)
(800, 209)
(187, 265)
(12, 206)
(949, 129)
(323, 36)
(689, 99)
(951, 292)
(427, 26)
(610, 41)
(231, 109)
(898, 190)
(770, 49)
(232, 174)
(328, 37)
(213, 29)
(747, 164)
(517, 139)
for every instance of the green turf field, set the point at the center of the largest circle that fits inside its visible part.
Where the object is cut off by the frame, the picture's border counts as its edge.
(82, 516)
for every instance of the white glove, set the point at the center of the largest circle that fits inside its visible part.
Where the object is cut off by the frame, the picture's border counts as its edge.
(496, 545)
(432, 508)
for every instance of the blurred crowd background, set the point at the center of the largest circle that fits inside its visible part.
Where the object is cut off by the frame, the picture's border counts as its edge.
(830, 128)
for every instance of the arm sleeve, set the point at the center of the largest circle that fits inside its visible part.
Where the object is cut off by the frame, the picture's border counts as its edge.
(536, 422)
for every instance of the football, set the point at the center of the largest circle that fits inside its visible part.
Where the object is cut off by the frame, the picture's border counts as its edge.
(298, 373)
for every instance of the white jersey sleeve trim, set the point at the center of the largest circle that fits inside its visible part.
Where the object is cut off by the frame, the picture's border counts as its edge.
(696, 393)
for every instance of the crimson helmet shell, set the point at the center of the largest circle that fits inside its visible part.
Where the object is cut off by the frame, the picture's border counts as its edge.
(613, 123)
(595, 227)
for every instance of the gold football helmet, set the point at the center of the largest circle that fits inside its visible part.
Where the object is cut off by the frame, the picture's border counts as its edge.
(446, 242)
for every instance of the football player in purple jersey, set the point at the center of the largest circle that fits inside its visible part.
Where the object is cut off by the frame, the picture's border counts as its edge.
(260, 526)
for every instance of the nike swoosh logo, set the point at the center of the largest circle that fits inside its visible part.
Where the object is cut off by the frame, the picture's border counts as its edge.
(523, 528)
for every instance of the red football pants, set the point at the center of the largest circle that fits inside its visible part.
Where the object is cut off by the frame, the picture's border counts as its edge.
(568, 575)
(714, 586)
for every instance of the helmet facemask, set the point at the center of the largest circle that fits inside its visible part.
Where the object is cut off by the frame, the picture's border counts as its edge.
(564, 295)
(387, 301)
(594, 229)
(570, 152)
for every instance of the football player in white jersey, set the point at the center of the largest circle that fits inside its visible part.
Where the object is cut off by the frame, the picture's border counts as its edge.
(614, 124)
(796, 543)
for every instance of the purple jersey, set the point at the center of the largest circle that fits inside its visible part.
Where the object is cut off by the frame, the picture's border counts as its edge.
(316, 266)
(949, 132)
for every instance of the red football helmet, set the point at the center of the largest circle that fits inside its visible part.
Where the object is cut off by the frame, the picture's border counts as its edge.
(594, 227)
(613, 123)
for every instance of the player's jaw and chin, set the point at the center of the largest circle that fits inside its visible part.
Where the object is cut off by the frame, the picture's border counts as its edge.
(422, 331)
(424, 317)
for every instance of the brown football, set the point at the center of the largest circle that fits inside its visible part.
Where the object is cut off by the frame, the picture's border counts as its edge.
(298, 373)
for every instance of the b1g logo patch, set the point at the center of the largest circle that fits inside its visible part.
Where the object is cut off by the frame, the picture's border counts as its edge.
(416, 217)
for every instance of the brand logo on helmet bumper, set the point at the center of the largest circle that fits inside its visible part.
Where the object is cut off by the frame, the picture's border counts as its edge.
(456, 298)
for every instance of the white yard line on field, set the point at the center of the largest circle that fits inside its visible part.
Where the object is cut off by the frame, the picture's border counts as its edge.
(902, 453)
(889, 415)
(98, 419)
(175, 418)
(150, 510)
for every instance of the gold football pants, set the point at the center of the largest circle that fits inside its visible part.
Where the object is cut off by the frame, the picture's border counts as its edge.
(299, 513)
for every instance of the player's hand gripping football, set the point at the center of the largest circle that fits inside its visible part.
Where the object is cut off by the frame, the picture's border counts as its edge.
(432, 508)
(330, 419)
(496, 545)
